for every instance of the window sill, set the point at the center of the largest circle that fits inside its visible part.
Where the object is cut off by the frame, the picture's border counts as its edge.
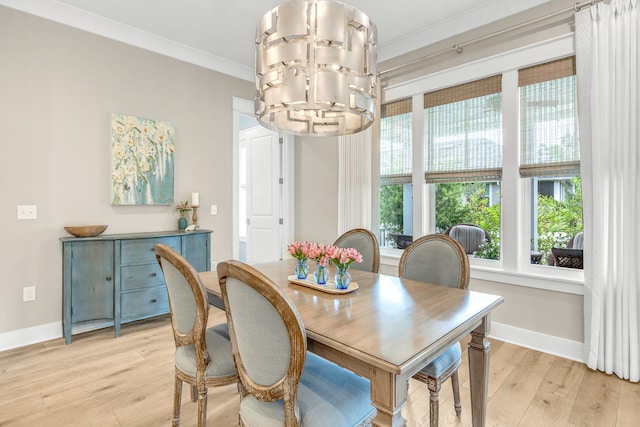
(564, 280)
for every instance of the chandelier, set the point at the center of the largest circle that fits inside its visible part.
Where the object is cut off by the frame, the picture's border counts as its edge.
(316, 69)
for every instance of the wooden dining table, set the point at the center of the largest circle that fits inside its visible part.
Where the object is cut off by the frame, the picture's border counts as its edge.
(387, 330)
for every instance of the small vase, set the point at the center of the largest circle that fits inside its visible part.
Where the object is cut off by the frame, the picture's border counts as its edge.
(182, 223)
(301, 269)
(321, 274)
(342, 278)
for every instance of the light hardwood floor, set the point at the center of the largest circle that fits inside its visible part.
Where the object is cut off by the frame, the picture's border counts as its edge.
(102, 381)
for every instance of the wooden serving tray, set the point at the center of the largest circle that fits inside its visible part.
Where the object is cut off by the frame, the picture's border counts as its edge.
(329, 288)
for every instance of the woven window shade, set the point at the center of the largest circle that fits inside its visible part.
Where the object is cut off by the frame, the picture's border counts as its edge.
(463, 132)
(396, 108)
(549, 144)
(548, 71)
(475, 89)
(395, 142)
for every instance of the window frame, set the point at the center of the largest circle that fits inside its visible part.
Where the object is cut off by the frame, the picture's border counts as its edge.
(514, 266)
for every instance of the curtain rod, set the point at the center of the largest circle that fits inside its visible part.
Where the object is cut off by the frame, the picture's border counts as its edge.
(459, 47)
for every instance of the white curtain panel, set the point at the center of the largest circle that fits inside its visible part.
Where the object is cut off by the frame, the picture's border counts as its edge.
(607, 47)
(354, 181)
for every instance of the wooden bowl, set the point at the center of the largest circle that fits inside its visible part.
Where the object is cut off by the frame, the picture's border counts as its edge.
(86, 230)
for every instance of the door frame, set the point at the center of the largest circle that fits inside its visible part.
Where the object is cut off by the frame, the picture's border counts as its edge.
(245, 107)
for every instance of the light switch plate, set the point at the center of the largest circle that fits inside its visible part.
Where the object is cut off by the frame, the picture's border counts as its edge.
(27, 212)
(214, 209)
(29, 293)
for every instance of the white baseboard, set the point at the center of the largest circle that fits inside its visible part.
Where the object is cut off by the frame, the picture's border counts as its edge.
(550, 344)
(525, 338)
(27, 336)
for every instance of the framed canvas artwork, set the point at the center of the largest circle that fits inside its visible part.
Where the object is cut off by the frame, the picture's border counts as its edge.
(142, 158)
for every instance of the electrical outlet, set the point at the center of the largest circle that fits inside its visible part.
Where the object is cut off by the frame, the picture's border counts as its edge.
(27, 212)
(214, 209)
(29, 293)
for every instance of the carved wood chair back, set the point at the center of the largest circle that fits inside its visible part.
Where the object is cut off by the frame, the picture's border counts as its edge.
(267, 335)
(280, 383)
(203, 355)
(366, 243)
(440, 260)
(437, 259)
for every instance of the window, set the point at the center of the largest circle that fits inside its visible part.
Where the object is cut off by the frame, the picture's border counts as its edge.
(395, 173)
(487, 151)
(463, 157)
(550, 155)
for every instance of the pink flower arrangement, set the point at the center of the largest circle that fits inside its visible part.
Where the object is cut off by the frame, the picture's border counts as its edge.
(317, 252)
(341, 257)
(183, 207)
(299, 250)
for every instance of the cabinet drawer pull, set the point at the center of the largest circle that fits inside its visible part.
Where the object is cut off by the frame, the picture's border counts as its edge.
(154, 274)
(153, 301)
(108, 278)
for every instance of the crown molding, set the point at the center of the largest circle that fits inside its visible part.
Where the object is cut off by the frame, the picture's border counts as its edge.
(80, 19)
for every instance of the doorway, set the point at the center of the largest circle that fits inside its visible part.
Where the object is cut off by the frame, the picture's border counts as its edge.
(261, 192)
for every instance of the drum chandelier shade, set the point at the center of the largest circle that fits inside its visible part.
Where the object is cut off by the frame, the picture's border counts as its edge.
(316, 69)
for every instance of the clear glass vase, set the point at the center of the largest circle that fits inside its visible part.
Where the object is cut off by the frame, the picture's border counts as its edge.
(321, 274)
(342, 278)
(301, 270)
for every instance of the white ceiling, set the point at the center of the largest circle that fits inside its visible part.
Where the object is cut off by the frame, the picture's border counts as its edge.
(220, 34)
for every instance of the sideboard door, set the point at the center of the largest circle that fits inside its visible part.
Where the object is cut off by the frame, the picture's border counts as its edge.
(196, 249)
(88, 283)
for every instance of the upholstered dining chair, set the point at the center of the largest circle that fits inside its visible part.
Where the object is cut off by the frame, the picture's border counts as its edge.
(280, 383)
(470, 236)
(366, 243)
(440, 260)
(203, 357)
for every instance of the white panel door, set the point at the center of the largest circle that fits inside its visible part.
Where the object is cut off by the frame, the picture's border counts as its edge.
(263, 196)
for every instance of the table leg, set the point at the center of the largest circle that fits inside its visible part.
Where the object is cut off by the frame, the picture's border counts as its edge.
(478, 350)
(388, 395)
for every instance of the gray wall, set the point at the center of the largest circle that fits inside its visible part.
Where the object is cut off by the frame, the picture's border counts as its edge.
(548, 312)
(316, 189)
(58, 87)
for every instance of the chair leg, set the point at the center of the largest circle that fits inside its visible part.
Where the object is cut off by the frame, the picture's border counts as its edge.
(434, 407)
(194, 393)
(177, 398)
(202, 407)
(456, 393)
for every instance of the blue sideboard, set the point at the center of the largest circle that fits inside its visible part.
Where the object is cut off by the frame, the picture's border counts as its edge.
(112, 279)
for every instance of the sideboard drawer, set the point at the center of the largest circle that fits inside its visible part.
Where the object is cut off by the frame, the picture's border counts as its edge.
(141, 250)
(140, 276)
(146, 303)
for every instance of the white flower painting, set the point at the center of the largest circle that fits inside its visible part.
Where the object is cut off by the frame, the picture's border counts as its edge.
(142, 157)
